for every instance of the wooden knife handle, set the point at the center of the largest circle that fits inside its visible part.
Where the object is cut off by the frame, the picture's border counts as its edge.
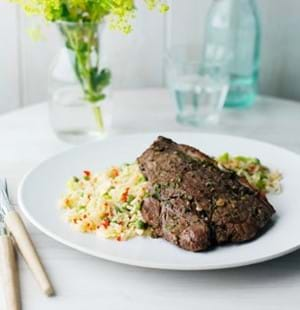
(16, 226)
(9, 274)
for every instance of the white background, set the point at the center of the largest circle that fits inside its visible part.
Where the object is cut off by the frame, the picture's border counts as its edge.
(137, 59)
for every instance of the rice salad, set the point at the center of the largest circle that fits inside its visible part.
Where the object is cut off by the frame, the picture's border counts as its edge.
(259, 176)
(108, 203)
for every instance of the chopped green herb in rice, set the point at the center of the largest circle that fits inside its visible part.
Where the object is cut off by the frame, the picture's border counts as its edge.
(258, 175)
(108, 203)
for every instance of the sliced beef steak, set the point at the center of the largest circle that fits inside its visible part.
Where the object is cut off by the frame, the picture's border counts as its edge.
(195, 204)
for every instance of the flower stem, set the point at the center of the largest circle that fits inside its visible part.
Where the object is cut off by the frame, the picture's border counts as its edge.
(99, 118)
(83, 43)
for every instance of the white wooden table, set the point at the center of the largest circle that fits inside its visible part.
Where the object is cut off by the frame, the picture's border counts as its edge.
(83, 282)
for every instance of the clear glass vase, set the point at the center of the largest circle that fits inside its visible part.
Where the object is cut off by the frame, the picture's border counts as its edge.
(80, 104)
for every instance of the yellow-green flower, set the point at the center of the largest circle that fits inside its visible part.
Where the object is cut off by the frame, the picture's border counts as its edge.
(35, 33)
(78, 23)
(119, 12)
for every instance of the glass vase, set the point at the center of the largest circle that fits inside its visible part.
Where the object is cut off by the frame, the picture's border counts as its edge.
(80, 105)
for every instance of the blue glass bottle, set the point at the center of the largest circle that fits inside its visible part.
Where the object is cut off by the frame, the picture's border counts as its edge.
(232, 43)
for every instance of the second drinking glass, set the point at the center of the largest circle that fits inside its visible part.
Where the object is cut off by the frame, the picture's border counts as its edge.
(199, 91)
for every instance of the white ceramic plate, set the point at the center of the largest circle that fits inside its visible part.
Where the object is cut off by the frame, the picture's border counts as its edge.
(41, 188)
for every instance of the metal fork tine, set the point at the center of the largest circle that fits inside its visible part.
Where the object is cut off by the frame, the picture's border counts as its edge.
(5, 205)
(3, 184)
(2, 224)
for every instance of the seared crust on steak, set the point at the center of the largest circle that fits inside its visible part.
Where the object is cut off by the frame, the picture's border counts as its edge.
(195, 204)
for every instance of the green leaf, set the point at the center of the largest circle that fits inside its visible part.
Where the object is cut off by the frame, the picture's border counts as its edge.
(82, 208)
(83, 47)
(98, 82)
(64, 12)
(224, 157)
(140, 224)
(130, 198)
(103, 78)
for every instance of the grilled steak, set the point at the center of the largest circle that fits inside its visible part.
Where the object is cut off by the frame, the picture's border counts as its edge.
(195, 204)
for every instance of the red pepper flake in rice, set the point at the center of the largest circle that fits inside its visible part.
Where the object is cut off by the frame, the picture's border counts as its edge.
(105, 224)
(114, 173)
(86, 175)
(124, 196)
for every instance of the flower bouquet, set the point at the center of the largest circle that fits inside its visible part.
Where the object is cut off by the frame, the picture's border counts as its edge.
(79, 22)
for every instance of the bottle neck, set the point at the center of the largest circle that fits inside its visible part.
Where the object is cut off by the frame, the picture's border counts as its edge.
(236, 5)
(251, 3)
(236, 1)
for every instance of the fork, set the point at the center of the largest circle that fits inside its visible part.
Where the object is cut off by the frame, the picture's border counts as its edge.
(16, 227)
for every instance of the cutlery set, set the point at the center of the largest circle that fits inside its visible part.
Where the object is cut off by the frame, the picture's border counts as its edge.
(14, 236)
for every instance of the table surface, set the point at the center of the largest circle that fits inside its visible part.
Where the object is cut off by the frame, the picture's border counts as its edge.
(84, 282)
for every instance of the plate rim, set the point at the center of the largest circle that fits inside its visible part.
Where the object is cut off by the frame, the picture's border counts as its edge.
(134, 262)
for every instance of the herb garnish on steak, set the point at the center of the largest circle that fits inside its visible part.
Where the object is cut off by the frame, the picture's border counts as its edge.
(195, 204)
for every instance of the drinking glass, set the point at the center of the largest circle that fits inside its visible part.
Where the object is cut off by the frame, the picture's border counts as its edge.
(198, 90)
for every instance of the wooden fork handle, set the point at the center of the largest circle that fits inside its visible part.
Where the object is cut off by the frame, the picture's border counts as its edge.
(17, 228)
(9, 271)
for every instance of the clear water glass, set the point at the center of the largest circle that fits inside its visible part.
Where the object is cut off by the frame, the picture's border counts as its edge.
(198, 92)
